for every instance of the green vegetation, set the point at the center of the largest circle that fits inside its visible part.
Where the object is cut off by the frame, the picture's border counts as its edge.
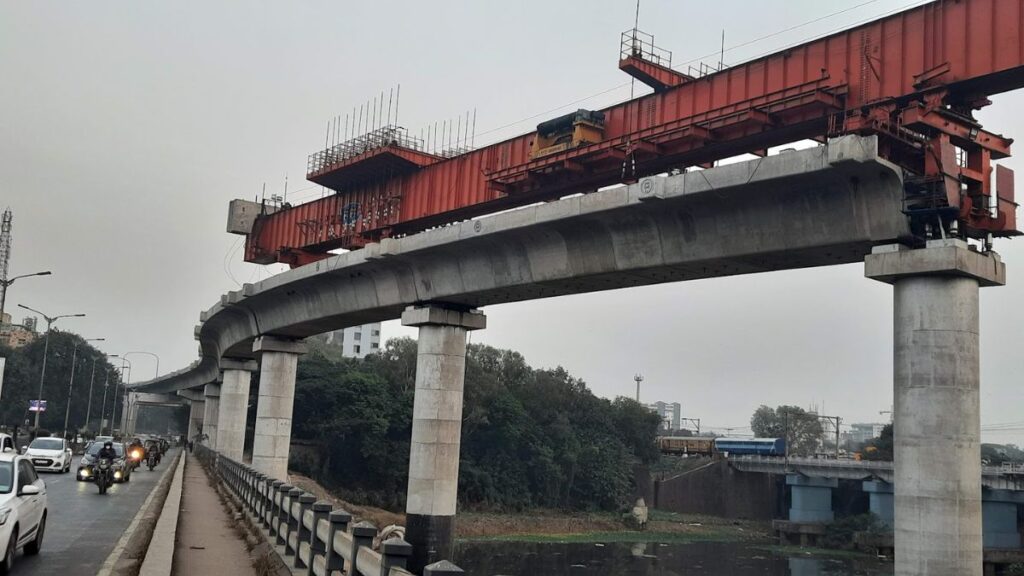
(530, 437)
(839, 534)
(801, 429)
(880, 448)
(21, 382)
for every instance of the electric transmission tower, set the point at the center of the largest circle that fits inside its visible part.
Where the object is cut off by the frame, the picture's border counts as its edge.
(5, 256)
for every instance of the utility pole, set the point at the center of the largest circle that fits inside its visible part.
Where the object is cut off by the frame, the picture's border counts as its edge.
(71, 381)
(103, 407)
(695, 421)
(46, 349)
(6, 222)
(88, 408)
(638, 379)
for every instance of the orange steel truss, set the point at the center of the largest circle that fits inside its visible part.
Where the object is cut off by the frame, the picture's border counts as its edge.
(913, 78)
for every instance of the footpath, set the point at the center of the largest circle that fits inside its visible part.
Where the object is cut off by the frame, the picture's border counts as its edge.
(209, 540)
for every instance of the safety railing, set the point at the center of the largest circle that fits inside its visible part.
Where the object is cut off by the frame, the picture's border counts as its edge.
(318, 538)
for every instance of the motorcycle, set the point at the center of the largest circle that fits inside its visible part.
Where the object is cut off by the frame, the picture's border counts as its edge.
(104, 474)
(152, 460)
(135, 458)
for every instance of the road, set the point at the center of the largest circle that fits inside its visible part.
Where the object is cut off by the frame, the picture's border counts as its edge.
(83, 527)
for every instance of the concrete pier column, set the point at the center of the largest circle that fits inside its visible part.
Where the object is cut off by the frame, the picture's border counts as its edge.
(436, 429)
(211, 412)
(811, 498)
(197, 408)
(279, 359)
(999, 518)
(234, 406)
(880, 500)
(937, 428)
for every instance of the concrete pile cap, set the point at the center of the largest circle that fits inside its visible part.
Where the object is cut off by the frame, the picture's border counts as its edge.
(951, 257)
(442, 568)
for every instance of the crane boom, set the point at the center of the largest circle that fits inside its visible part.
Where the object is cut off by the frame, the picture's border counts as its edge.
(914, 79)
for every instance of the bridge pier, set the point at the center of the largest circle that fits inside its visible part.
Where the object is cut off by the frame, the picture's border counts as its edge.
(811, 498)
(999, 516)
(211, 413)
(196, 410)
(937, 425)
(234, 406)
(436, 429)
(279, 359)
(880, 500)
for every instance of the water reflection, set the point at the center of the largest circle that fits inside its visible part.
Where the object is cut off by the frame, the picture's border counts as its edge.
(650, 559)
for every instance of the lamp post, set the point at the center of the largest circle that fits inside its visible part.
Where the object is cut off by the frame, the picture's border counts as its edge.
(46, 349)
(117, 387)
(157, 371)
(4, 283)
(103, 406)
(71, 381)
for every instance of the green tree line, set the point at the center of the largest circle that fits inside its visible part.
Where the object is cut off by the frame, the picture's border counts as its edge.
(530, 437)
(21, 383)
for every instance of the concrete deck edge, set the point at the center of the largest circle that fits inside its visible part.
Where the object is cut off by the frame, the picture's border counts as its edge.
(110, 564)
(159, 557)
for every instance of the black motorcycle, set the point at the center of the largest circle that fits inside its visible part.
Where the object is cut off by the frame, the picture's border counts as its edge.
(152, 459)
(104, 474)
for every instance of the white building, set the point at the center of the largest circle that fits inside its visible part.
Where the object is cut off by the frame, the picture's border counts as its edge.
(357, 341)
(860, 433)
(671, 414)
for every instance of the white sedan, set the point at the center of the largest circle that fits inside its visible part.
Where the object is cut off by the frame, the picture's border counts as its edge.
(50, 454)
(22, 509)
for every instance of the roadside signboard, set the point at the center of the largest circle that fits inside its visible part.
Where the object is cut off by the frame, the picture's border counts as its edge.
(3, 362)
(37, 405)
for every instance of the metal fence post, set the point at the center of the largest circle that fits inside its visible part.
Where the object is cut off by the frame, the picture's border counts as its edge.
(394, 554)
(338, 520)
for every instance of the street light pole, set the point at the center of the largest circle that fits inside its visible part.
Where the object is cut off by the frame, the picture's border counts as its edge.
(4, 283)
(46, 348)
(92, 378)
(126, 379)
(71, 381)
(157, 371)
(103, 406)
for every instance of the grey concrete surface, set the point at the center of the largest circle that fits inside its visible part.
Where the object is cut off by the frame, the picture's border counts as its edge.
(815, 207)
(937, 413)
(436, 429)
(211, 412)
(160, 552)
(271, 443)
(234, 402)
(84, 527)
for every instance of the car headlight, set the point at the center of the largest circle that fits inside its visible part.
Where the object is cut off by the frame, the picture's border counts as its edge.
(117, 475)
(84, 472)
(4, 514)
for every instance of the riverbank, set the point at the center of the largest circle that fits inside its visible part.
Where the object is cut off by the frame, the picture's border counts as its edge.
(556, 526)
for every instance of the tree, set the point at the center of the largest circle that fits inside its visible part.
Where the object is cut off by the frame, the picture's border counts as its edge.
(880, 448)
(801, 429)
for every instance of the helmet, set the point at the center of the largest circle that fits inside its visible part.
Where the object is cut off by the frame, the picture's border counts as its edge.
(108, 444)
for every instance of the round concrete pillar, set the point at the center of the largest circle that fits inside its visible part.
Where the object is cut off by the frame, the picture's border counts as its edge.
(234, 407)
(211, 414)
(436, 430)
(279, 361)
(937, 426)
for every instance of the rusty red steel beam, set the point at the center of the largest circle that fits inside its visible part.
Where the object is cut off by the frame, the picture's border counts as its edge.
(945, 53)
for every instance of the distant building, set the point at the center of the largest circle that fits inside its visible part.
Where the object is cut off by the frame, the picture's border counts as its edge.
(357, 341)
(860, 433)
(671, 414)
(5, 319)
(15, 336)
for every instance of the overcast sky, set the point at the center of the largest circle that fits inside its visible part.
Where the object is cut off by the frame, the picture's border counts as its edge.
(125, 129)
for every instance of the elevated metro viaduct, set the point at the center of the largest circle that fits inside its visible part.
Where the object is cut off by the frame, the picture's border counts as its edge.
(834, 204)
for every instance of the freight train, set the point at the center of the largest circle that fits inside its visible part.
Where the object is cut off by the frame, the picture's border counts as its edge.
(698, 446)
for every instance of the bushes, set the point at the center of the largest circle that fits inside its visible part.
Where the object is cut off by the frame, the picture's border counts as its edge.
(530, 438)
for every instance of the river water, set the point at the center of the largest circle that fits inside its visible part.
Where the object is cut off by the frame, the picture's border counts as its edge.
(652, 559)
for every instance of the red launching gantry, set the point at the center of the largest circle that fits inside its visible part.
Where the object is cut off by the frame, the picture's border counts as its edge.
(914, 79)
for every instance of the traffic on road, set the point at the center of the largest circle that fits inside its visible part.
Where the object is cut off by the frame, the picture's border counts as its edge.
(53, 522)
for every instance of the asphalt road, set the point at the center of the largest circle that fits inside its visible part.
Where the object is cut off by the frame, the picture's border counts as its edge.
(82, 526)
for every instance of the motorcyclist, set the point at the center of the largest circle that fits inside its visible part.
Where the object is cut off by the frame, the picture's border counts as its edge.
(107, 451)
(137, 445)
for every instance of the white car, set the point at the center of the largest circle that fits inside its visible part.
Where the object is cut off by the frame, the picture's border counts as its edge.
(50, 454)
(22, 508)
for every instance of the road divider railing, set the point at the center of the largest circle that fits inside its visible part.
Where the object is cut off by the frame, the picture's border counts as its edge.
(316, 537)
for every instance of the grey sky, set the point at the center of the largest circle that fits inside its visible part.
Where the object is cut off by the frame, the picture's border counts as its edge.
(126, 128)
